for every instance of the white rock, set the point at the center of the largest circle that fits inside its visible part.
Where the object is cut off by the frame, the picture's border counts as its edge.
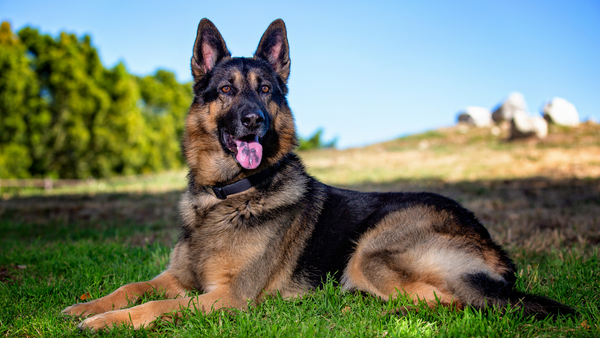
(496, 131)
(505, 112)
(477, 116)
(561, 112)
(523, 126)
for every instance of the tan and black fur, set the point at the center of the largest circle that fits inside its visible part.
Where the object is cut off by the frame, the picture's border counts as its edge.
(289, 231)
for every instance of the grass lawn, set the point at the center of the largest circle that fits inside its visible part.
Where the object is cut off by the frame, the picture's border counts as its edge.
(541, 200)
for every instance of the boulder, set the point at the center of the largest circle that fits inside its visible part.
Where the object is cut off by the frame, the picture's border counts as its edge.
(476, 116)
(562, 112)
(505, 112)
(525, 126)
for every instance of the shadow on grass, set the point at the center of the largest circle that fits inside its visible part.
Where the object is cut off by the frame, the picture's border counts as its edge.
(135, 218)
(534, 213)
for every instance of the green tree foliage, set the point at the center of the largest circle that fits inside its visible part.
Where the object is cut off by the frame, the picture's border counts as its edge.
(19, 104)
(316, 142)
(63, 114)
(164, 103)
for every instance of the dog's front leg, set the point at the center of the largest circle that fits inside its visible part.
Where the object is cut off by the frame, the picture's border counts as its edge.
(145, 314)
(128, 293)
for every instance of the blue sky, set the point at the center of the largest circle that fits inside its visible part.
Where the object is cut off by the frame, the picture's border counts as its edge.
(364, 72)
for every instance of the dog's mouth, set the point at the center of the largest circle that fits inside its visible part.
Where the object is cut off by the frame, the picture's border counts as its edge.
(246, 150)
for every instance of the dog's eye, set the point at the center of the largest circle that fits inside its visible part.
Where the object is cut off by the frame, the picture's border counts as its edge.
(225, 89)
(264, 89)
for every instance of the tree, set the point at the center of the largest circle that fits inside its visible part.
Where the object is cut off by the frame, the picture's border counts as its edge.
(21, 109)
(315, 142)
(69, 76)
(165, 103)
(63, 114)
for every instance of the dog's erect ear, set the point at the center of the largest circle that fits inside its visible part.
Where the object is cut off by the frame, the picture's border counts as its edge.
(209, 48)
(273, 47)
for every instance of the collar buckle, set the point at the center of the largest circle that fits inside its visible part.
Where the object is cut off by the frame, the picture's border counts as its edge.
(219, 192)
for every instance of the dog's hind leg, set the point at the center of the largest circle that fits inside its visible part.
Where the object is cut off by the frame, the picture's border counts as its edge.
(383, 275)
(403, 254)
(122, 296)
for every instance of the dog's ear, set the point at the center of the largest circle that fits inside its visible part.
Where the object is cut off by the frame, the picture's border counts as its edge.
(273, 47)
(209, 49)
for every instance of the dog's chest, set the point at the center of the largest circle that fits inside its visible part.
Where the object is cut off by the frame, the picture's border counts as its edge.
(223, 238)
(223, 215)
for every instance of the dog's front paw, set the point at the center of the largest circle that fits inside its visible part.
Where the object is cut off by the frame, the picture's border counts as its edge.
(80, 309)
(135, 317)
(97, 322)
(85, 309)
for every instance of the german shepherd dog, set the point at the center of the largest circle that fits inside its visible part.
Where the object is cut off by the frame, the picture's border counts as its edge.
(254, 223)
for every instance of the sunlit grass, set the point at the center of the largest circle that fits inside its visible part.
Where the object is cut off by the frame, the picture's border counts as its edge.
(42, 278)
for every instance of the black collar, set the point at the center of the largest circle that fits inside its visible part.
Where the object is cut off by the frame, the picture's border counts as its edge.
(241, 185)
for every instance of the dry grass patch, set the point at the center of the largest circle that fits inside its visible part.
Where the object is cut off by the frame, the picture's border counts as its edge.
(463, 154)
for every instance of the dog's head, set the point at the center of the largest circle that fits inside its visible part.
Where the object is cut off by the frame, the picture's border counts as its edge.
(239, 122)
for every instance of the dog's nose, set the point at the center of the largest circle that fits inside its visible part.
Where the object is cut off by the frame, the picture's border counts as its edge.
(253, 119)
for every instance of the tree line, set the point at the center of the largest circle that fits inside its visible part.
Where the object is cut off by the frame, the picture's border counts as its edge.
(64, 115)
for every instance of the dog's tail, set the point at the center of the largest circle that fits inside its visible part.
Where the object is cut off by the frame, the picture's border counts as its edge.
(481, 290)
(539, 306)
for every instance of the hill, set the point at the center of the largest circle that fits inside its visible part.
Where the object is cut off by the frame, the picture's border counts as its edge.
(463, 153)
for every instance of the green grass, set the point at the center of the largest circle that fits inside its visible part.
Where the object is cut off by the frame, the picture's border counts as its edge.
(43, 277)
(47, 261)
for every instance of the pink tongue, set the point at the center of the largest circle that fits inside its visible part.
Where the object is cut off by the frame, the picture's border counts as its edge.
(249, 153)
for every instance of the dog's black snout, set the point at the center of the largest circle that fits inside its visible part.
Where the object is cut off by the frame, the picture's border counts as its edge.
(253, 119)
